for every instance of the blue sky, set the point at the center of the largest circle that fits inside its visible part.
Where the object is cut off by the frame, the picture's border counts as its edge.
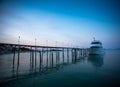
(61, 22)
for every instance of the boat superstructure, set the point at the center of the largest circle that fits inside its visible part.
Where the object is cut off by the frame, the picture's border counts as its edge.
(96, 47)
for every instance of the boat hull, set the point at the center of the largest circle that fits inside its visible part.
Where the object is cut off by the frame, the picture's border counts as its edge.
(96, 51)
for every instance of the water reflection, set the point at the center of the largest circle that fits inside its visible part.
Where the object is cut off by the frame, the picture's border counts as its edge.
(42, 61)
(55, 61)
(96, 60)
(45, 64)
(74, 71)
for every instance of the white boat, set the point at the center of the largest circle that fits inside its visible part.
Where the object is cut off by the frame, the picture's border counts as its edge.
(96, 48)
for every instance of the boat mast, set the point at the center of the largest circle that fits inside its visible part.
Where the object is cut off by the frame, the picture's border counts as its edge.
(93, 38)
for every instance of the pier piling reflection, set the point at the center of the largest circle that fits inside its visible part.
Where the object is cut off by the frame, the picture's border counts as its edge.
(43, 59)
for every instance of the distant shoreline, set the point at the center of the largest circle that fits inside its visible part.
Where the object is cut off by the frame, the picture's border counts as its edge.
(113, 49)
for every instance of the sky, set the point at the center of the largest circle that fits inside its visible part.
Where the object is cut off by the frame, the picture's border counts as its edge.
(60, 22)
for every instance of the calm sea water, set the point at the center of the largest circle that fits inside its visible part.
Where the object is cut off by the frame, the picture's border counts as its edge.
(87, 71)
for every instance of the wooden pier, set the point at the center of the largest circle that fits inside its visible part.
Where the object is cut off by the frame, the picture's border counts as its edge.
(44, 58)
(53, 55)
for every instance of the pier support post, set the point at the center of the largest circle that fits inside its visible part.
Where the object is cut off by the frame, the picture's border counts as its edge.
(47, 57)
(14, 56)
(56, 58)
(30, 54)
(72, 54)
(67, 55)
(82, 52)
(79, 53)
(18, 56)
(32, 59)
(75, 53)
(52, 59)
(63, 55)
(35, 56)
(42, 57)
(40, 62)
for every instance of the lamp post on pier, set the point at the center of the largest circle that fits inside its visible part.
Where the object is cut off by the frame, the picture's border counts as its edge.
(18, 40)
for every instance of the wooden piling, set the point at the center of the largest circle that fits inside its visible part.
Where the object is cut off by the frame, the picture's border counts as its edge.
(35, 56)
(56, 58)
(14, 56)
(67, 55)
(32, 59)
(47, 58)
(18, 56)
(52, 59)
(40, 61)
(42, 57)
(63, 55)
(30, 54)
